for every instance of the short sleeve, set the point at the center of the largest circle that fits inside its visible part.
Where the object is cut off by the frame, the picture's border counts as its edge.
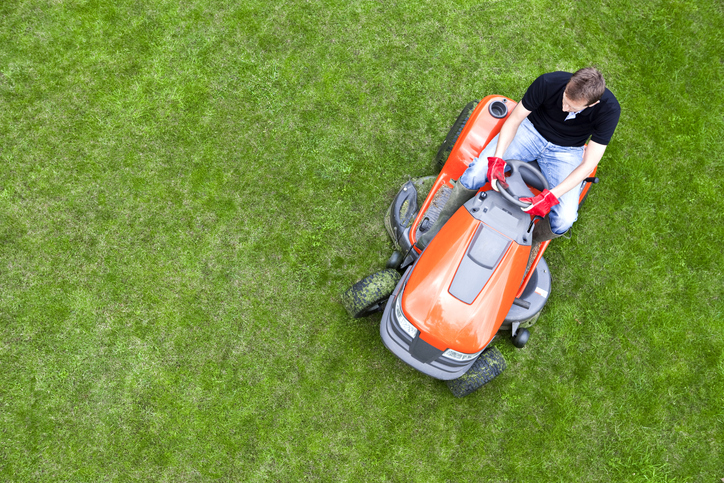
(605, 127)
(535, 95)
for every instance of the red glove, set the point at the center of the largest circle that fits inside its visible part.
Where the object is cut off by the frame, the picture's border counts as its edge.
(540, 204)
(496, 172)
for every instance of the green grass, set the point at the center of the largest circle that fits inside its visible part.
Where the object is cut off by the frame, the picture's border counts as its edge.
(186, 188)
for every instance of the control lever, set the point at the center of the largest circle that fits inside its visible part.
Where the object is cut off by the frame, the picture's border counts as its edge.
(532, 222)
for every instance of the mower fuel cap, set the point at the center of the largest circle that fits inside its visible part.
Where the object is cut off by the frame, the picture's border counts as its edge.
(498, 109)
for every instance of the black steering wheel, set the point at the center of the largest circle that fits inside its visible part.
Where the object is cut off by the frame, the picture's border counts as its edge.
(515, 167)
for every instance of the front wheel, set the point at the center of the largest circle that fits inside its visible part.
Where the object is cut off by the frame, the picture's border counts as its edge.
(370, 294)
(485, 368)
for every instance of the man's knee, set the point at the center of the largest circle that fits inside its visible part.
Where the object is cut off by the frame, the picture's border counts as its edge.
(476, 175)
(563, 216)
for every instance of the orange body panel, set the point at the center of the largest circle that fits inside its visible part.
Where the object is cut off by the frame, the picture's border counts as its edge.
(446, 321)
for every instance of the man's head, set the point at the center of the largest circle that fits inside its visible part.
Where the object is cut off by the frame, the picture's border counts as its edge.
(583, 90)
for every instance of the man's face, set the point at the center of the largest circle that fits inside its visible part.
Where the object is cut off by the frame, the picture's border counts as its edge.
(574, 106)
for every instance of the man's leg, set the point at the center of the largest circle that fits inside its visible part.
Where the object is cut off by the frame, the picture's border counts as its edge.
(526, 146)
(477, 173)
(556, 163)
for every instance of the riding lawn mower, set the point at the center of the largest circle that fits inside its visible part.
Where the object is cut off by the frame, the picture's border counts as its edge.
(481, 276)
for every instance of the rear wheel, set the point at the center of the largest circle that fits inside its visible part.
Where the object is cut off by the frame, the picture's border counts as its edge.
(486, 368)
(452, 137)
(370, 294)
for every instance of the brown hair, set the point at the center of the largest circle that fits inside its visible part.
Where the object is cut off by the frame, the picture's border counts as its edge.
(586, 85)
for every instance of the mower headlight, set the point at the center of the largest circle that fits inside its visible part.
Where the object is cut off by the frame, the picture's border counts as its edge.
(459, 356)
(402, 321)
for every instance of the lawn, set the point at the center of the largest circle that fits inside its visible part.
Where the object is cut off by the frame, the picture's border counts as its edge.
(187, 187)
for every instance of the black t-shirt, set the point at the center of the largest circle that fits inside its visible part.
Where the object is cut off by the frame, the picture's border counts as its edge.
(544, 98)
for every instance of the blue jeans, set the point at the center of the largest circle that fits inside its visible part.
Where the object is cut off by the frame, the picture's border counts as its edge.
(556, 163)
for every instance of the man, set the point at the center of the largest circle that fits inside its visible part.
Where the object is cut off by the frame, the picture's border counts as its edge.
(551, 124)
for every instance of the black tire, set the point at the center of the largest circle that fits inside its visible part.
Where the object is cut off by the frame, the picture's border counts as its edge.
(370, 294)
(452, 136)
(486, 368)
(521, 338)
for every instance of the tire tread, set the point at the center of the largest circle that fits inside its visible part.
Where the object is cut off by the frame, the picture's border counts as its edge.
(487, 367)
(364, 297)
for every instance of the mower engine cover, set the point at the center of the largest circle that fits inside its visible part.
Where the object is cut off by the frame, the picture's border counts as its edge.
(450, 304)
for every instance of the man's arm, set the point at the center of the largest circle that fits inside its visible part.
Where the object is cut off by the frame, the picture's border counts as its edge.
(594, 153)
(510, 127)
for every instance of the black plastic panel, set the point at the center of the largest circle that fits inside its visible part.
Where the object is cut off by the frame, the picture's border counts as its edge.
(424, 352)
(485, 251)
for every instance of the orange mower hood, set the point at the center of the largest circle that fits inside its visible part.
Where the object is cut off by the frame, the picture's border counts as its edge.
(458, 304)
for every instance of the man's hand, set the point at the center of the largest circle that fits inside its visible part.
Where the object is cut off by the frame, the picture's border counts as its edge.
(496, 172)
(540, 204)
